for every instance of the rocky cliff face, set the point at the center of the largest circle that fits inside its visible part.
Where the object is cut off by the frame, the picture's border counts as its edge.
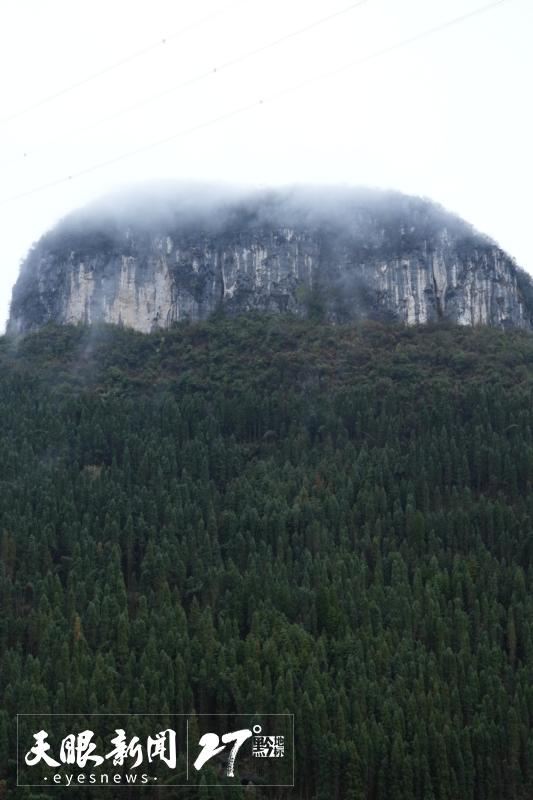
(345, 254)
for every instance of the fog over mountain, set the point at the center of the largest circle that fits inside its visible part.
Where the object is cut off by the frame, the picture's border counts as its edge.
(154, 255)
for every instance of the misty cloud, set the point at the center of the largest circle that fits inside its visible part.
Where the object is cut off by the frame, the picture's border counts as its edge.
(214, 208)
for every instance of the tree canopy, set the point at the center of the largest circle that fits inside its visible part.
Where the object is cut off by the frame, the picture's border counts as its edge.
(271, 513)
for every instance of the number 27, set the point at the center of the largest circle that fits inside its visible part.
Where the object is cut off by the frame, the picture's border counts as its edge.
(209, 743)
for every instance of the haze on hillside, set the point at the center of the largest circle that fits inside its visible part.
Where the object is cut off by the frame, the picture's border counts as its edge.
(442, 116)
(156, 206)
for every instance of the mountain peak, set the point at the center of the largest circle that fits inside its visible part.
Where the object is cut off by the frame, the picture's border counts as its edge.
(158, 255)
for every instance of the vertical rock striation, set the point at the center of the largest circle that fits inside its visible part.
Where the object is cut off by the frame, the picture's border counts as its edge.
(347, 254)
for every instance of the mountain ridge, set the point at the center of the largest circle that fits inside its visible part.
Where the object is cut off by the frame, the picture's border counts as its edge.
(154, 258)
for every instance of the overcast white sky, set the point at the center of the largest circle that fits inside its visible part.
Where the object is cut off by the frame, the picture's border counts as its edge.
(448, 116)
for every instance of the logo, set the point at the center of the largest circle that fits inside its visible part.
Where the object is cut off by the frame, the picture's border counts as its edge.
(155, 750)
(268, 746)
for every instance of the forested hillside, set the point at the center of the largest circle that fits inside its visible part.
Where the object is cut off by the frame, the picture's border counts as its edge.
(271, 513)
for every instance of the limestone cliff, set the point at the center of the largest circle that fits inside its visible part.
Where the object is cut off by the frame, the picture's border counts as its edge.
(148, 261)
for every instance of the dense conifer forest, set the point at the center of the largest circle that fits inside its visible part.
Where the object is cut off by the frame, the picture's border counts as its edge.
(272, 513)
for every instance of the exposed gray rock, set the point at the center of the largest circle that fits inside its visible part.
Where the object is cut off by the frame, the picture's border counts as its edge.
(181, 254)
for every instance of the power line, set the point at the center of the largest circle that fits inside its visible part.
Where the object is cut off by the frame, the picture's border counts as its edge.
(210, 72)
(117, 64)
(257, 103)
